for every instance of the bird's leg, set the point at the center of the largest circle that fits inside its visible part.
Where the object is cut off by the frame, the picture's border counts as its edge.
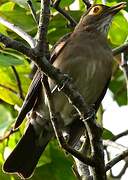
(64, 145)
(56, 4)
(55, 121)
(91, 114)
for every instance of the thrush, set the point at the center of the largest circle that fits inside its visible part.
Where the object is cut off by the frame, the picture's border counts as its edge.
(86, 57)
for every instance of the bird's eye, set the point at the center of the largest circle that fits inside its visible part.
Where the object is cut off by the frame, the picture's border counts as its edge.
(96, 10)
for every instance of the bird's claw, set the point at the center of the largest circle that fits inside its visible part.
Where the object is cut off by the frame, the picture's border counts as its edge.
(91, 114)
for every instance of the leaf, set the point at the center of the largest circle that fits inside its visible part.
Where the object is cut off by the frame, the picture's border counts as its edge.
(65, 3)
(7, 79)
(57, 29)
(107, 134)
(22, 3)
(20, 18)
(9, 6)
(7, 60)
(118, 87)
(119, 30)
(4, 176)
(3, 30)
(60, 166)
(9, 96)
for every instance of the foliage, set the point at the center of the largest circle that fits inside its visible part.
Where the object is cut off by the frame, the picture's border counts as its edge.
(17, 12)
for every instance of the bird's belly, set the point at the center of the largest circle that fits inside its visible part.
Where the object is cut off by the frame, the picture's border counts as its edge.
(90, 82)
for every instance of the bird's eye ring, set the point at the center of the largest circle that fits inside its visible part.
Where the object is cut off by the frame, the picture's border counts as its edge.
(96, 10)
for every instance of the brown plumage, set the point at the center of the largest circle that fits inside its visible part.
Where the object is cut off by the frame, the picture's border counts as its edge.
(87, 58)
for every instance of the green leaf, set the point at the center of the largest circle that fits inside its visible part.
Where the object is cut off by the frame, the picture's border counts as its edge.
(3, 30)
(20, 18)
(9, 96)
(59, 167)
(8, 84)
(57, 29)
(107, 134)
(7, 60)
(9, 6)
(4, 176)
(119, 30)
(65, 3)
(118, 87)
(22, 3)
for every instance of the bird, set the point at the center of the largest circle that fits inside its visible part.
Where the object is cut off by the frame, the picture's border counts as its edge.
(87, 58)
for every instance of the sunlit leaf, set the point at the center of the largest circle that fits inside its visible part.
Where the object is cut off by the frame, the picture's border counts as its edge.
(58, 168)
(107, 134)
(7, 6)
(66, 3)
(118, 30)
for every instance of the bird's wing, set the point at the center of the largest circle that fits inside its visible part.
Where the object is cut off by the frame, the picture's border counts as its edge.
(33, 91)
(57, 48)
(30, 98)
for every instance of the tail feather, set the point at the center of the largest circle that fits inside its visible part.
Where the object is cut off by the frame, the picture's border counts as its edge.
(26, 154)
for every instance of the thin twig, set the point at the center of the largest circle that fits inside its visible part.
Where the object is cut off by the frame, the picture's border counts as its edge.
(18, 82)
(125, 133)
(55, 4)
(115, 160)
(33, 11)
(120, 49)
(114, 145)
(18, 31)
(8, 134)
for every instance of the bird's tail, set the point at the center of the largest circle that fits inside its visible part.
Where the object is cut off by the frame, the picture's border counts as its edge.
(26, 154)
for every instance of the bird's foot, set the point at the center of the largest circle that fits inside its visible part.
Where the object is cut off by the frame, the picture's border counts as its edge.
(91, 114)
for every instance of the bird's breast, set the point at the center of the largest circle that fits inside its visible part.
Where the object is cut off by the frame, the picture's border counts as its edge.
(89, 65)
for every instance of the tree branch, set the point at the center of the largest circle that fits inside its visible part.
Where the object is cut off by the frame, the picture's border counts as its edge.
(125, 133)
(115, 160)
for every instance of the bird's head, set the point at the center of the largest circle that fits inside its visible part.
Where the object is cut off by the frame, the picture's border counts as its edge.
(99, 17)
